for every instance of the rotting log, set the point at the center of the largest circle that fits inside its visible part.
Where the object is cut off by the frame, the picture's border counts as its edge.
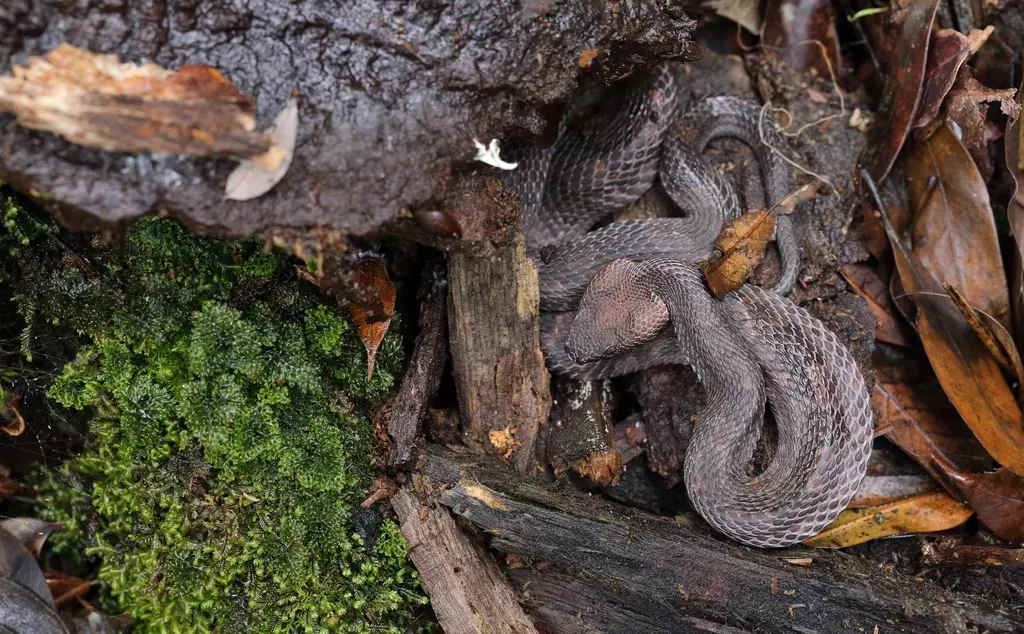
(497, 364)
(391, 95)
(467, 590)
(601, 567)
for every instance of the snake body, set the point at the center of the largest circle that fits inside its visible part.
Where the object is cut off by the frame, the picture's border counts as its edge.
(609, 293)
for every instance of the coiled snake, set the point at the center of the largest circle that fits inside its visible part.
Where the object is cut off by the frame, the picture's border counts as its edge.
(607, 295)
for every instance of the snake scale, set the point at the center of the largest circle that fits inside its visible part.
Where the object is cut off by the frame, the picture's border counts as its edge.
(623, 296)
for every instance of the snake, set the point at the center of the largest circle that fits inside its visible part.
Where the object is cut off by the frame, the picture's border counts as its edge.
(618, 297)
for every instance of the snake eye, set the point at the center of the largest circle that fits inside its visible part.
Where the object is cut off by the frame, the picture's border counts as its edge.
(716, 255)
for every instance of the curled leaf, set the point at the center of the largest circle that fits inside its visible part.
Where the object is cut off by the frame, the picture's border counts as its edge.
(925, 513)
(742, 244)
(31, 532)
(251, 179)
(996, 496)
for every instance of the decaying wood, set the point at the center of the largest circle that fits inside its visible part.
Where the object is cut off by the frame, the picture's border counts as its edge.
(408, 406)
(611, 569)
(578, 437)
(392, 94)
(467, 590)
(497, 364)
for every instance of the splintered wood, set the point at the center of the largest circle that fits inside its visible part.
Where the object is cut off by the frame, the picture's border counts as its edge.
(96, 101)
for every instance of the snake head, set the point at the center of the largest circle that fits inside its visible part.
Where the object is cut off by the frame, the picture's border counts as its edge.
(618, 312)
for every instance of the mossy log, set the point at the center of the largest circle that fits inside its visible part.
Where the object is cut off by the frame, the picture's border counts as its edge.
(593, 566)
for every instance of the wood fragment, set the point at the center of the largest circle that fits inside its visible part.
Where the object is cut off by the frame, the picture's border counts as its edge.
(96, 101)
(408, 407)
(578, 436)
(467, 590)
(494, 335)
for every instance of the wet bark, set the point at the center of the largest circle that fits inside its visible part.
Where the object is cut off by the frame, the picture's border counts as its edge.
(391, 95)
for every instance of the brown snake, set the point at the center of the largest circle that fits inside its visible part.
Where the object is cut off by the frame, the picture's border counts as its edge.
(607, 295)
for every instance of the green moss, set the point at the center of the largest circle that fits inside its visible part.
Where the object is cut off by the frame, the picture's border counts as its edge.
(229, 445)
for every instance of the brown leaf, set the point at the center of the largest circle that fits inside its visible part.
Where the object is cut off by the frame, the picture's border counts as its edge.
(1015, 215)
(94, 100)
(11, 420)
(949, 50)
(373, 273)
(910, 45)
(954, 231)
(919, 514)
(969, 375)
(742, 243)
(909, 26)
(998, 342)
(8, 487)
(967, 105)
(952, 551)
(65, 588)
(908, 406)
(876, 490)
(864, 281)
(996, 496)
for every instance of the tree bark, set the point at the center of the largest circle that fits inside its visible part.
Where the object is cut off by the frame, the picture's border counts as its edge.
(391, 95)
(498, 367)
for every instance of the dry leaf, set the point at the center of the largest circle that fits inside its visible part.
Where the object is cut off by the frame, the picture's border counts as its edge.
(11, 420)
(969, 375)
(954, 231)
(919, 514)
(967, 105)
(373, 274)
(1015, 215)
(249, 180)
(911, 26)
(65, 588)
(996, 496)
(907, 404)
(998, 342)
(864, 281)
(8, 487)
(949, 50)
(742, 243)
(876, 490)
(94, 100)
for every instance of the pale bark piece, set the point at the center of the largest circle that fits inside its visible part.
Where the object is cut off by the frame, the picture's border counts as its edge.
(467, 590)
